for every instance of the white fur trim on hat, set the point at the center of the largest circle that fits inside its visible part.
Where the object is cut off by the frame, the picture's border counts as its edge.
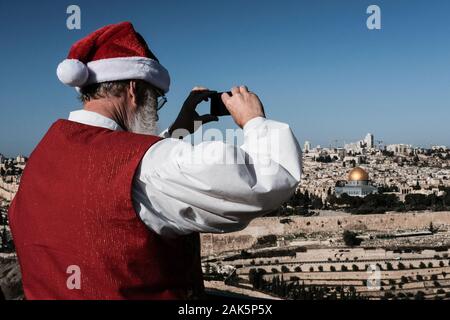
(72, 72)
(114, 69)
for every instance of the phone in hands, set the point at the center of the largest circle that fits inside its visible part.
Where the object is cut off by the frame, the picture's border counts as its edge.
(217, 106)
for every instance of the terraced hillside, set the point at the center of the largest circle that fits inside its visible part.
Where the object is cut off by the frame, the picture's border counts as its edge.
(390, 263)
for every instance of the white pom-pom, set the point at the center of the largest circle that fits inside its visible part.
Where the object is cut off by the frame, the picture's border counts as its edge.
(72, 72)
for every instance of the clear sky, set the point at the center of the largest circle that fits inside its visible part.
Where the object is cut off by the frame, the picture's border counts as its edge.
(314, 63)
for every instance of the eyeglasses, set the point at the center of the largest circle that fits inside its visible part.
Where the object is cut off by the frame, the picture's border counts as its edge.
(162, 100)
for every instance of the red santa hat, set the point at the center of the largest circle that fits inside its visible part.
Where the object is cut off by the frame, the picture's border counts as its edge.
(114, 52)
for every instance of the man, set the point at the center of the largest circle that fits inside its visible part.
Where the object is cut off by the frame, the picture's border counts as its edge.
(108, 210)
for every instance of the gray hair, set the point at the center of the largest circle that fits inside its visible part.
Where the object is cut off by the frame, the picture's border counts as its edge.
(114, 89)
(145, 118)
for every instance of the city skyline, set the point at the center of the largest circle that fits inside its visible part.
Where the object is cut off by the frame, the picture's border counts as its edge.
(314, 64)
(332, 144)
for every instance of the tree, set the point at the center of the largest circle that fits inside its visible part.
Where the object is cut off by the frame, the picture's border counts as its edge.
(5, 241)
(245, 254)
(255, 277)
(252, 273)
(268, 240)
(333, 200)
(431, 228)
(420, 295)
(388, 295)
(317, 203)
(401, 295)
(446, 197)
(378, 203)
(324, 159)
(350, 238)
(415, 201)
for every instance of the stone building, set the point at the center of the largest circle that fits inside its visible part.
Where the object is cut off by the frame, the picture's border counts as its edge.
(357, 184)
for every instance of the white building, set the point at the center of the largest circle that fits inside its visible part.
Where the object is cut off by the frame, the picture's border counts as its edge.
(369, 141)
(403, 149)
(21, 159)
(361, 145)
(437, 148)
(357, 184)
(307, 146)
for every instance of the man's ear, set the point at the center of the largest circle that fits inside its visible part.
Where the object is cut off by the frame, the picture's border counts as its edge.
(132, 93)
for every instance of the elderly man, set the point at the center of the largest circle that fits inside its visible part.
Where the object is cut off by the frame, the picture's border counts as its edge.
(108, 210)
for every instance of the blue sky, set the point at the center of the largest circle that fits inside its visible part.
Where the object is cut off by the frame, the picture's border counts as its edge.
(314, 63)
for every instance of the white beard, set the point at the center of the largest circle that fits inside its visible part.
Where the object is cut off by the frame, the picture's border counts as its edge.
(145, 119)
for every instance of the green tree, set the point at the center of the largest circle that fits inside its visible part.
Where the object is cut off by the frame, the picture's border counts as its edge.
(284, 269)
(5, 245)
(420, 295)
(351, 238)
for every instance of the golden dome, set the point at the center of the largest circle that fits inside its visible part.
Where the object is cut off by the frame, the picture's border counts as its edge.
(358, 174)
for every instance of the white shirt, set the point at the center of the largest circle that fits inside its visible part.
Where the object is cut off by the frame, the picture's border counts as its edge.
(180, 188)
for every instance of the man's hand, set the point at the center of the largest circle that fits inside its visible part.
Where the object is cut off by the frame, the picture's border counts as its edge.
(243, 105)
(188, 115)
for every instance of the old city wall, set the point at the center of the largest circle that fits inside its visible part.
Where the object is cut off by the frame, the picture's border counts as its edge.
(389, 222)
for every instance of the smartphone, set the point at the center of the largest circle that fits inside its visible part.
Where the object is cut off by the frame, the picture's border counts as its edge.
(217, 107)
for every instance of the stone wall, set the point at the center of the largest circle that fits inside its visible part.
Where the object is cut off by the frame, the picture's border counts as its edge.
(389, 222)
(8, 189)
(10, 277)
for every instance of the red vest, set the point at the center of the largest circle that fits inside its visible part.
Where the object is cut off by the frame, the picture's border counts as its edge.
(74, 212)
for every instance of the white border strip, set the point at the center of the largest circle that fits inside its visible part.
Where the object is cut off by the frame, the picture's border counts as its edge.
(129, 68)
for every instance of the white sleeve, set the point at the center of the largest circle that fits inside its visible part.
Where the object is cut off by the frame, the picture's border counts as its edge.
(216, 187)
